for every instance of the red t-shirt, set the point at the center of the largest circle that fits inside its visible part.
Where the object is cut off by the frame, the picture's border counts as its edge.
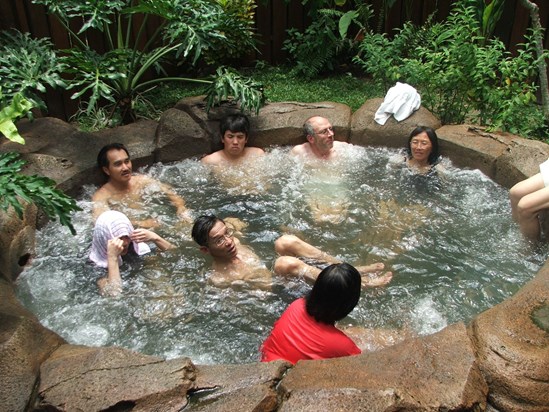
(297, 335)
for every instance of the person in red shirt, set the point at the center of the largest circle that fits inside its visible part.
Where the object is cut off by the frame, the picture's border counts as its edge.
(306, 329)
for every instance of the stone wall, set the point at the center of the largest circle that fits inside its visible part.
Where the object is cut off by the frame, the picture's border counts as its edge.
(500, 361)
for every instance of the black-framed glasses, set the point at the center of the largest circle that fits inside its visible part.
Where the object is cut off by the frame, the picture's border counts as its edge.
(326, 131)
(221, 240)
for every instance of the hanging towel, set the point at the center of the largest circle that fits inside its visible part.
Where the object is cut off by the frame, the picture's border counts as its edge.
(400, 101)
(111, 224)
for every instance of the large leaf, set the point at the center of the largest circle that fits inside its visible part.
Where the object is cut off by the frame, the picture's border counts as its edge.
(18, 107)
(345, 21)
(16, 189)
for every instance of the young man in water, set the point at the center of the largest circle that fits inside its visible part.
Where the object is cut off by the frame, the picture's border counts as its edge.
(237, 167)
(320, 140)
(124, 190)
(235, 263)
(234, 129)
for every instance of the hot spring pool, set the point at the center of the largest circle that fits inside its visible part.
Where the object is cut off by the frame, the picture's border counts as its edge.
(450, 242)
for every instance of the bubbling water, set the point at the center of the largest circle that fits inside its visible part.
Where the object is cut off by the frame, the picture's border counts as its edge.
(449, 240)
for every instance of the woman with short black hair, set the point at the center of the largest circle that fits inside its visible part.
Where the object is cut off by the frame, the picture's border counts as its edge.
(306, 330)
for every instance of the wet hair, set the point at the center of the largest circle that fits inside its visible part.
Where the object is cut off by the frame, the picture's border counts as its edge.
(102, 160)
(335, 293)
(237, 122)
(202, 227)
(434, 156)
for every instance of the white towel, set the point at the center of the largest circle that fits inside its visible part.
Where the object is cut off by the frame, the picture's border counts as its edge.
(111, 224)
(400, 101)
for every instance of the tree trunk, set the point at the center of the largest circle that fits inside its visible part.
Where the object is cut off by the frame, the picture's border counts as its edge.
(542, 67)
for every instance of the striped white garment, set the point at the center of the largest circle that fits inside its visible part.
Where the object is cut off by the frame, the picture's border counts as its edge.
(109, 225)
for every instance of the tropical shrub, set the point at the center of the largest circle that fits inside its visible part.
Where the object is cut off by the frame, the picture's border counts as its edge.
(488, 14)
(118, 76)
(16, 188)
(10, 112)
(228, 81)
(460, 75)
(238, 28)
(330, 38)
(27, 67)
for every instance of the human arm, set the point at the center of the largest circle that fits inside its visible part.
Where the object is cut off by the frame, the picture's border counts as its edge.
(372, 339)
(111, 285)
(145, 235)
(99, 202)
(178, 202)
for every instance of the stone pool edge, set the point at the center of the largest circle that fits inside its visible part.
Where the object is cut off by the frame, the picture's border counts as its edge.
(498, 361)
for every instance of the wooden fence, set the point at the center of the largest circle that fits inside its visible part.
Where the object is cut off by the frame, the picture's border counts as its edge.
(273, 18)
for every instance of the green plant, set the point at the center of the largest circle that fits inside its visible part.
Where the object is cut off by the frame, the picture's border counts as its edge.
(281, 85)
(460, 75)
(16, 188)
(328, 39)
(116, 77)
(238, 27)
(227, 81)
(488, 14)
(313, 50)
(9, 113)
(27, 66)
(379, 58)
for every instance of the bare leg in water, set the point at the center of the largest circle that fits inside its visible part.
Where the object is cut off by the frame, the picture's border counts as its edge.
(289, 247)
(528, 198)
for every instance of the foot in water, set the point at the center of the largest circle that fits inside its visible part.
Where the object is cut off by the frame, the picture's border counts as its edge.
(372, 277)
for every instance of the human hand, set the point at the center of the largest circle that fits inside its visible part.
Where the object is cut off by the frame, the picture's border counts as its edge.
(143, 235)
(115, 247)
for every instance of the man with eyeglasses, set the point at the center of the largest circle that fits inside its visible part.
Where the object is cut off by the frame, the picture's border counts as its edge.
(325, 189)
(320, 140)
(235, 264)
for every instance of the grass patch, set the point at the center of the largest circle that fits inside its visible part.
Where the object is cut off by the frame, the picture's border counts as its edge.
(280, 86)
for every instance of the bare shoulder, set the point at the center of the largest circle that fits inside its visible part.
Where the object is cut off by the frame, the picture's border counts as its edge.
(254, 151)
(140, 181)
(143, 179)
(300, 149)
(213, 159)
(102, 193)
(339, 143)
